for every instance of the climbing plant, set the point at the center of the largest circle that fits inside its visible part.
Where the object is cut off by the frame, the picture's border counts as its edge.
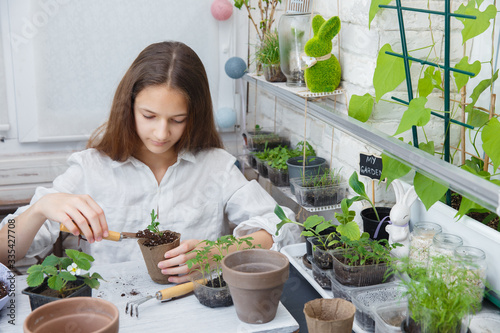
(390, 72)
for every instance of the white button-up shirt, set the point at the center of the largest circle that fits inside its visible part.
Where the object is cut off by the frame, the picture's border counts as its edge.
(199, 196)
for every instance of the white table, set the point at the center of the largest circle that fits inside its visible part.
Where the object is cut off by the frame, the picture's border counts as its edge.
(130, 281)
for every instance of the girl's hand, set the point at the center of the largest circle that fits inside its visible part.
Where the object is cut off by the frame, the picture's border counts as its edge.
(75, 212)
(176, 259)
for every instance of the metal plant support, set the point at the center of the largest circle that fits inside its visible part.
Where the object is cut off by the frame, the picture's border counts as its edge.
(446, 66)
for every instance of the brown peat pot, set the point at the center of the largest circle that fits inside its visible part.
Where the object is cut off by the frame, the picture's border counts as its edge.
(329, 315)
(154, 254)
(79, 314)
(255, 278)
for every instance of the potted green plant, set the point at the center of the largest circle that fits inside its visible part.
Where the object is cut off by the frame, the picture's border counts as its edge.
(324, 189)
(268, 54)
(57, 278)
(304, 163)
(153, 244)
(440, 297)
(209, 285)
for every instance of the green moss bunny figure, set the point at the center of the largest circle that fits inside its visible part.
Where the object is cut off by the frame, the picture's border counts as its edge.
(323, 68)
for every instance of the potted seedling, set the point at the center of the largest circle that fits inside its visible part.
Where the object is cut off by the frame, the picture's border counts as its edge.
(209, 285)
(268, 54)
(277, 168)
(304, 163)
(358, 260)
(324, 189)
(440, 298)
(261, 161)
(319, 234)
(57, 278)
(153, 244)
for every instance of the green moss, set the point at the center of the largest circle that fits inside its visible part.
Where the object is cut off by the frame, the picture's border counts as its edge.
(325, 75)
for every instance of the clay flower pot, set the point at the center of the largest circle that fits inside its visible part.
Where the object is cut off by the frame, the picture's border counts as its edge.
(81, 314)
(256, 278)
(329, 315)
(154, 254)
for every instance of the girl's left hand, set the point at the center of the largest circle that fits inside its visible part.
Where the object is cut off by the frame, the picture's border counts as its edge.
(176, 259)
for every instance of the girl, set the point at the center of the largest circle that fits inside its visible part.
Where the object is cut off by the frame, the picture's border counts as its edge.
(159, 150)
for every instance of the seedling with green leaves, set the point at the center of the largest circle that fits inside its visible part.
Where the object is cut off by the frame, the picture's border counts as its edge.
(209, 257)
(60, 271)
(154, 226)
(313, 226)
(440, 295)
(365, 251)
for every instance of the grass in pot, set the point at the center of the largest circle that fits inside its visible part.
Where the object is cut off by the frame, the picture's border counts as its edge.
(440, 297)
(268, 54)
(153, 244)
(209, 286)
(56, 278)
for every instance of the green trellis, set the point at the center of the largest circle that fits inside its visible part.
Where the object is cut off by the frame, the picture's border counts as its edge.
(446, 67)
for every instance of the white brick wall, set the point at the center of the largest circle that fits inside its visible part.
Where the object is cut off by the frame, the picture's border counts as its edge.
(359, 47)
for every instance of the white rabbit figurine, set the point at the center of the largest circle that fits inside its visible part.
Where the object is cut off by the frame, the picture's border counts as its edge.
(398, 229)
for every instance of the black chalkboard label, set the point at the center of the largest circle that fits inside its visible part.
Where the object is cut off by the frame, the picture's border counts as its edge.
(370, 166)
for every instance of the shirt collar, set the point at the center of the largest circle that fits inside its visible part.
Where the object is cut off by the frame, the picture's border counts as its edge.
(183, 155)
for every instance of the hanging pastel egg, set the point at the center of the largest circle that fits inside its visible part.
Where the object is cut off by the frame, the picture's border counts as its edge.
(235, 67)
(225, 118)
(221, 9)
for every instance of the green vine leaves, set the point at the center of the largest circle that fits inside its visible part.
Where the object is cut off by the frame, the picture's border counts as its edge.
(473, 28)
(390, 73)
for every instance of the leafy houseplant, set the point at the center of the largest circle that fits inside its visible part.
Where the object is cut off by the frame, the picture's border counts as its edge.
(210, 287)
(268, 54)
(390, 73)
(57, 278)
(153, 244)
(439, 297)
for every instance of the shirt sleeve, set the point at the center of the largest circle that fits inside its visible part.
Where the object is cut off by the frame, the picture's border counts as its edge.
(68, 182)
(251, 208)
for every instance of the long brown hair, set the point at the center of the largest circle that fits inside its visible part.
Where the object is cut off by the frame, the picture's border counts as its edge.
(177, 66)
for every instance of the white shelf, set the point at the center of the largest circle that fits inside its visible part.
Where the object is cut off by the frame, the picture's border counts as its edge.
(477, 189)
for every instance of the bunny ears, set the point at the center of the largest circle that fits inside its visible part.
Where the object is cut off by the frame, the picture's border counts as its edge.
(325, 29)
(401, 197)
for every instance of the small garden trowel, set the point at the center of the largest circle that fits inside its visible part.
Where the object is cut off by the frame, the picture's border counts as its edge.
(113, 235)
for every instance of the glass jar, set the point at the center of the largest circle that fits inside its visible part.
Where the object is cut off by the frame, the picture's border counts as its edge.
(474, 260)
(294, 32)
(444, 244)
(421, 240)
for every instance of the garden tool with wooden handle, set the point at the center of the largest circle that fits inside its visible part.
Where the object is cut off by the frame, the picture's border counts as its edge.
(113, 235)
(162, 295)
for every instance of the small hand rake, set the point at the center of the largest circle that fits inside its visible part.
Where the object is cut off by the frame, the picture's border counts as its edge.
(162, 295)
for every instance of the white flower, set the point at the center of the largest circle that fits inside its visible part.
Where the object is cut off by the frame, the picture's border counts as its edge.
(73, 269)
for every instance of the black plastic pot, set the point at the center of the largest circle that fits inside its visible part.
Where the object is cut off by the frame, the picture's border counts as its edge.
(309, 250)
(314, 166)
(370, 222)
(37, 300)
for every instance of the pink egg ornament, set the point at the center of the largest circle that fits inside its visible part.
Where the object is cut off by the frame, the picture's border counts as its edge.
(221, 9)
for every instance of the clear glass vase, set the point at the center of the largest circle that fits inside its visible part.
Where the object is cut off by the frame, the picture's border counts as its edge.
(294, 32)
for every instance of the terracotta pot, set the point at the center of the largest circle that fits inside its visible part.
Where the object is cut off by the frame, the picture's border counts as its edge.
(81, 314)
(329, 315)
(255, 278)
(37, 299)
(154, 254)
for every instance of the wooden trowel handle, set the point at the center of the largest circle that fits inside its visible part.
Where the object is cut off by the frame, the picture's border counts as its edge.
(175, 291)
(113, 235)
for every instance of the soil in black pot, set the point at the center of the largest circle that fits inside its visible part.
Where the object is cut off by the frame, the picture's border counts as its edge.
(3, 290)
(216, 297)
(54, 293)
(370, 222)
(153, 239)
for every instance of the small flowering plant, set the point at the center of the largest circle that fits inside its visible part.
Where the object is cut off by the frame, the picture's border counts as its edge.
(60, 271)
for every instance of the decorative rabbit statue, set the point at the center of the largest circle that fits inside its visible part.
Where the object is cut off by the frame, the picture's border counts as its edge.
(323, 69)
(398, 229)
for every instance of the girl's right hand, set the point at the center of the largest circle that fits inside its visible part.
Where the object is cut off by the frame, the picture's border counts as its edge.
(75, 212)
